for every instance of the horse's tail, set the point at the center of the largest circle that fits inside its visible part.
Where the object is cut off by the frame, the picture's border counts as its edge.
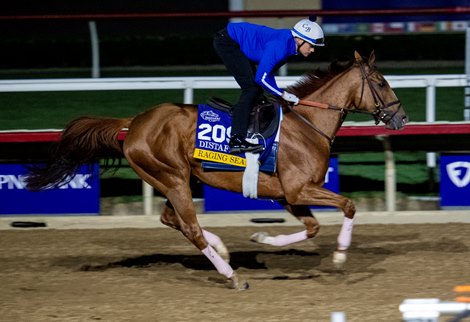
(83, 141)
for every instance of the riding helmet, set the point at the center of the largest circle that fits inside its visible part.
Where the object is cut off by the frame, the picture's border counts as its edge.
(310, 31)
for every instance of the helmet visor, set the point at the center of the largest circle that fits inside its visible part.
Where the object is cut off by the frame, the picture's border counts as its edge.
(319, 42)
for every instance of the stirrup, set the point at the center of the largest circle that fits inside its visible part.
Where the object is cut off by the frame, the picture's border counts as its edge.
(239, 144)
(255, 148)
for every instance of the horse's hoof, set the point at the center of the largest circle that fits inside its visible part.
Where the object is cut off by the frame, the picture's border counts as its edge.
(259, 237)
(236, 283)
(339, 258)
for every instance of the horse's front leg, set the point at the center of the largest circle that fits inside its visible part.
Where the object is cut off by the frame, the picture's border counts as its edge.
(303, 214)
(319, 196)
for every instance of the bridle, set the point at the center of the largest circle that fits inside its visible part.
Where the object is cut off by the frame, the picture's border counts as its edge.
(380, 114)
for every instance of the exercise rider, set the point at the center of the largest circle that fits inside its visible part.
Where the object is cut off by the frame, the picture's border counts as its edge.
(243, 46)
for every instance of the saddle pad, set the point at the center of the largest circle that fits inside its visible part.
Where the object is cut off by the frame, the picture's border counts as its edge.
(212, 136)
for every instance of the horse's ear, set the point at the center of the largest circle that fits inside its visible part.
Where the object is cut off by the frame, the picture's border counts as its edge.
(371, 58)
(357, 56)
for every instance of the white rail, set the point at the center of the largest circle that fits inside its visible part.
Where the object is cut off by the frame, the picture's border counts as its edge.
(430, 309)
(189, 84)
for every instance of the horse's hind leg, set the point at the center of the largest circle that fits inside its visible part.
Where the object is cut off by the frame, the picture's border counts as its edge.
(303, 214)
(217, 243)
(169, 218)
(183, 215)
(180, 198)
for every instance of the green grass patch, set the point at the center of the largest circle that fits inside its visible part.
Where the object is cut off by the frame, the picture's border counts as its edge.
(42, 110)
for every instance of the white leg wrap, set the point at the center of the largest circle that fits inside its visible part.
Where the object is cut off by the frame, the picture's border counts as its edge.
(345, 235)
(283, 240)
(250, 176)
(279, 240)
(220, 265)
(217, 243)
(211, 238)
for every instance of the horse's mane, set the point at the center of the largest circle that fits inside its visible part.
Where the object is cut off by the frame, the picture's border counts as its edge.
(313, 80)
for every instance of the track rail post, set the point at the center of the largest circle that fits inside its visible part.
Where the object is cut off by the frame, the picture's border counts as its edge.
(390, 174)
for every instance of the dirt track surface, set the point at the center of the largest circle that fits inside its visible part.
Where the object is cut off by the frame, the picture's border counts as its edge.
(156, 275)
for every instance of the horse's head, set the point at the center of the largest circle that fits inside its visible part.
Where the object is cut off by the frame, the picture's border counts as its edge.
(375, 95)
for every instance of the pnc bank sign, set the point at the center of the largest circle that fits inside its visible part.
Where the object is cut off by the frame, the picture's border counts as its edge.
(79, 196)
(455, 180)
(13, 181)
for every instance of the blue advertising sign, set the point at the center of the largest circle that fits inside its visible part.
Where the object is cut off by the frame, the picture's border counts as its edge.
(222, 200)
(79, 196)
(455, 180)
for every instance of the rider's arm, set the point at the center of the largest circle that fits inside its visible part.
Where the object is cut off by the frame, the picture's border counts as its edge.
(270, 61)
(272, 58)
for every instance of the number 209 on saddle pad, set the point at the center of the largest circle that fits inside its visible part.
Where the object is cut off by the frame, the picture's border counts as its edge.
(212, 136)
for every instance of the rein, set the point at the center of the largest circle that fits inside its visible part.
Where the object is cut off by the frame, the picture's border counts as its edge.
(323, 106)
(379, 115)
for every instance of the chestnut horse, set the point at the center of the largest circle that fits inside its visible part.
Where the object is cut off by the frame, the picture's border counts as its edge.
(160, 142)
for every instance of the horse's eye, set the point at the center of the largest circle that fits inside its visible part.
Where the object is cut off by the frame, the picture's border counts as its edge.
(382, 84)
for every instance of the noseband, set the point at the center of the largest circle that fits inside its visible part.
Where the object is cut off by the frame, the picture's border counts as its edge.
(380, 114)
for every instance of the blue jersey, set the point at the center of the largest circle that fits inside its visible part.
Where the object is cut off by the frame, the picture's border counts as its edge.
(267, 47)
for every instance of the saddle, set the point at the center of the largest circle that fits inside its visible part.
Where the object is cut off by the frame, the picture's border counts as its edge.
(211, 146)
(264, 117)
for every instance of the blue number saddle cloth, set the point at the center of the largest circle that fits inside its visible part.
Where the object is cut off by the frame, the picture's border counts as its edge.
(213, 132)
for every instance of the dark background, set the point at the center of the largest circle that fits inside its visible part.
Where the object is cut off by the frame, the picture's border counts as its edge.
(394, 4)
(27, 45)
(183, 41)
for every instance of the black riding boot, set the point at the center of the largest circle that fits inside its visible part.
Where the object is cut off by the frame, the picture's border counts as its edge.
(238, 144)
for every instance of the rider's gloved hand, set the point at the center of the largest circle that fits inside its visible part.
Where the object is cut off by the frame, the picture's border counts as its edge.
(289, 97)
